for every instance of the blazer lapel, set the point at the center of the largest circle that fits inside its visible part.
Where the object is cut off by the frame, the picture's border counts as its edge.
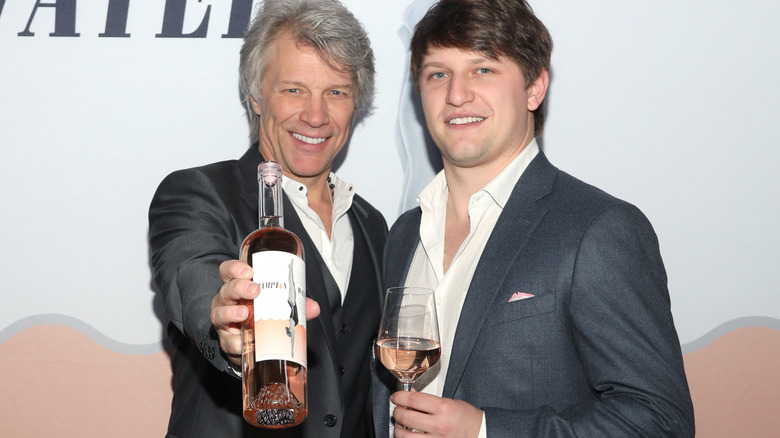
(400, 247)
(511, 232)
(359, 216)
(247, 165)
(315, 281)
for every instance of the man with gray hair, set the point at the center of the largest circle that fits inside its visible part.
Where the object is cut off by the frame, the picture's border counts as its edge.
(307, 73)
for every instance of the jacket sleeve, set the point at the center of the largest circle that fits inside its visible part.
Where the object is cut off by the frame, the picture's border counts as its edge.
(188, 240)
(624, 335)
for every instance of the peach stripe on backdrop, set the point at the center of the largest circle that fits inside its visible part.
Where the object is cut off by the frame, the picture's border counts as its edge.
(56, 381)
(735, 384)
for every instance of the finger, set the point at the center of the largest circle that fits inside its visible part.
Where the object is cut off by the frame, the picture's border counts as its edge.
(235, 291)
(402, 398)
(228, 318)
(312, 309)
(233, 269)
(415, 400)
(399, 431)
(227, 307)
(231, 345)
(410, 420)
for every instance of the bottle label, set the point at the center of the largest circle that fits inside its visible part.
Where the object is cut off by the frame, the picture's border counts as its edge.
(280, 309)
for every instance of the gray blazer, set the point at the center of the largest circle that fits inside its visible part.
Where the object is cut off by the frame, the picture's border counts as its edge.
(594, 353)
(198, 219)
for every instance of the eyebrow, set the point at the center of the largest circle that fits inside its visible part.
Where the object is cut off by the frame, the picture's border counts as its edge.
(297, 84)
(436, 64)
(431, 64)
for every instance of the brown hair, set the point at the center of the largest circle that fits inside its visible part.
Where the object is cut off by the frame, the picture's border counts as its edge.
(495, 28)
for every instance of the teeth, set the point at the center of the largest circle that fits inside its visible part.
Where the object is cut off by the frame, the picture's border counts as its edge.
(464, 120)
(309, 140)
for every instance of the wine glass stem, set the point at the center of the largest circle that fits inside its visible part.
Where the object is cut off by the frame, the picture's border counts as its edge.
(406, 386)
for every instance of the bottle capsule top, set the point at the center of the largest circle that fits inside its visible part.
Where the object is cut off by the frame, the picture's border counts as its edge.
(270, 172)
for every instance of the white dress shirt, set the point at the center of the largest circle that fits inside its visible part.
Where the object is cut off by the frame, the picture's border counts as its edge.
(337, 250)
(427, 267)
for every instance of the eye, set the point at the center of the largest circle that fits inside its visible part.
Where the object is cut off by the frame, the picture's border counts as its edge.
(438, 75)
(484, 70)
(293, 90)
(336, 92)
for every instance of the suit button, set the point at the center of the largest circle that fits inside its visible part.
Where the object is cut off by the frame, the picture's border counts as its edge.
(342, 371)
(206, 350)
(344, 328)
(330, 420)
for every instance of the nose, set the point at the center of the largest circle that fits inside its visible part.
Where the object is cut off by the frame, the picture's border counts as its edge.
(315, 111)
(459, 91)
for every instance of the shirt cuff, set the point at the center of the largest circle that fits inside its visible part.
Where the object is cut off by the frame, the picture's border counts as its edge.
(237, 370)
(483, 427)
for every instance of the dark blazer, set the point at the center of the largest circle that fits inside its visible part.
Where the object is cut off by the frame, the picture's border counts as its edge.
(198, 219)
(594, 353)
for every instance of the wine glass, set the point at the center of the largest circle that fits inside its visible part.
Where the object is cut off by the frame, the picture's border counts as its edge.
(408, 341)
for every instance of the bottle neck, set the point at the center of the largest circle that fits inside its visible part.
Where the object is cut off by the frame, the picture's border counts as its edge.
(269, 182)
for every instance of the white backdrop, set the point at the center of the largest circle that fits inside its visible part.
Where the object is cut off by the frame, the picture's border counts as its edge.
(669, 105)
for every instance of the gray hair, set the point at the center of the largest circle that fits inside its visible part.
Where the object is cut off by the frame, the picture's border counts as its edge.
(324, 25)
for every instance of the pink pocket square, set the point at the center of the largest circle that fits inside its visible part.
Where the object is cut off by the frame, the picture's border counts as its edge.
(517, 296)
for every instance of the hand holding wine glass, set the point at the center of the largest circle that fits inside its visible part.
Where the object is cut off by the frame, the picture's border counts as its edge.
(408, 341)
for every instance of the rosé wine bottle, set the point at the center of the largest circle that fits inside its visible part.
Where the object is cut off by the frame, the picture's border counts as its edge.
(273, 361)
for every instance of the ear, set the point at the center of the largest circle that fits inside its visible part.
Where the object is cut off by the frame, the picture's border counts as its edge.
(255, 105)
(537, 90)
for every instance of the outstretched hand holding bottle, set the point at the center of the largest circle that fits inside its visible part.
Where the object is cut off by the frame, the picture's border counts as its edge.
(228, 310)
